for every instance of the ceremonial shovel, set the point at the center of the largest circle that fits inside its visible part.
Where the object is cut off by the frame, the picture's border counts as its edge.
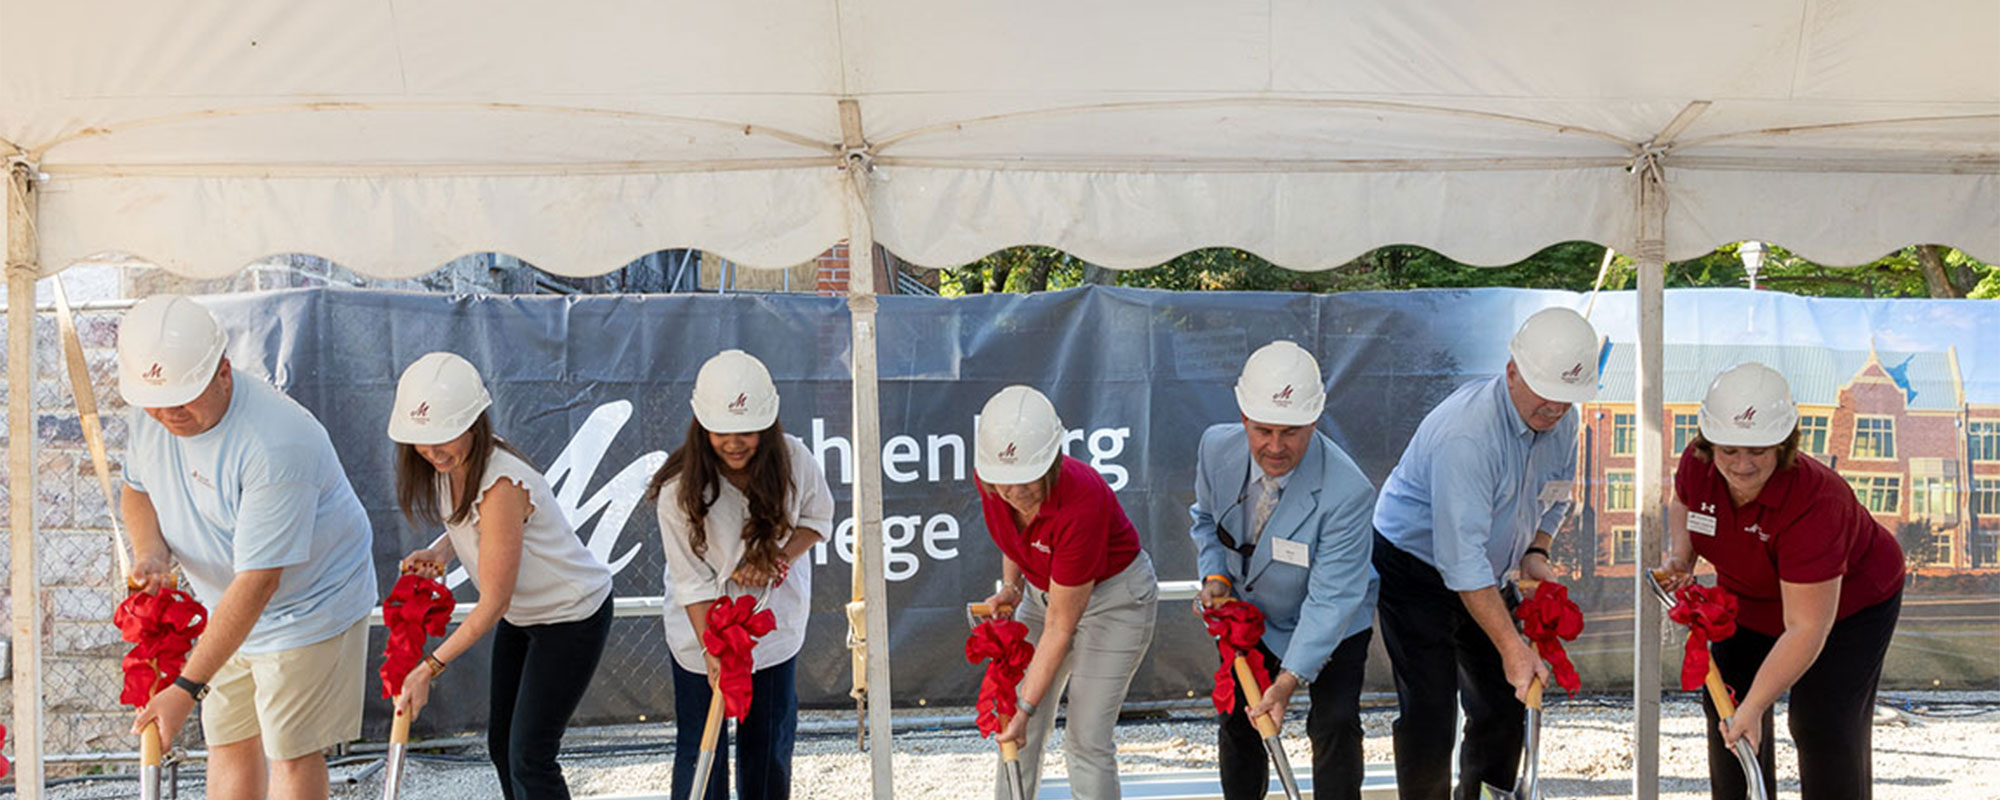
(1010, 753)
(711, 732)
(399, 729)
(1528, 786)
(150, 748)
(1746, 755)
(1274, 745)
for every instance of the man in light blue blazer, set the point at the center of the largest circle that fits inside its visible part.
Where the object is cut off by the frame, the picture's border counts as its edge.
(1282, 521)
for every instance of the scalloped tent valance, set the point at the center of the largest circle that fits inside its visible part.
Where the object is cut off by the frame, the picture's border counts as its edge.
(393, 136)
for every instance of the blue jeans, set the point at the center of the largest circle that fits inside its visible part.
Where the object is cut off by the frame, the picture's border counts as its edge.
(764, 737)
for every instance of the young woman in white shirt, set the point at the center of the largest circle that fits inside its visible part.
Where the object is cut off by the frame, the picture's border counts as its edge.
(543, 594)
(740, 503)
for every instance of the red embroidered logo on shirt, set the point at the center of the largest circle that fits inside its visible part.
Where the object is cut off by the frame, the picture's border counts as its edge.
(201, 479)
(1758, 528)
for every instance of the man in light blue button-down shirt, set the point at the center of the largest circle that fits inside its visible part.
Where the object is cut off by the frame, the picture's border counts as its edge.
(1281, 522)
(1479, 491)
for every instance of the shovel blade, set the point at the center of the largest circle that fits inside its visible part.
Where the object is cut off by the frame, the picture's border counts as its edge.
(1276, 750)
(1017, 784)
(1753, 773)
(149, 782)
(392, 771)
(1488, 792)
(703, 764)
(1659, 592)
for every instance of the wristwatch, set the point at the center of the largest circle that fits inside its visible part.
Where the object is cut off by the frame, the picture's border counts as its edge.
(194, 690)
(1303, 683)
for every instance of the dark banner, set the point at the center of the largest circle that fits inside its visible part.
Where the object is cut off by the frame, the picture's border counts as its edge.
(595, 389)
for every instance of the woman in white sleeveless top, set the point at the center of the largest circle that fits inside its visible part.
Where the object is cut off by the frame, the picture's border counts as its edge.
(740, 504)
(545, 596)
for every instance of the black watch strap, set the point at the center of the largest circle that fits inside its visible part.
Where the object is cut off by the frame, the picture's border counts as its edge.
(1534, 550)
(194, 690)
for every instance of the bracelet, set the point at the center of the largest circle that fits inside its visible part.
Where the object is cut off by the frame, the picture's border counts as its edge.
(437, 667)
(1545, 554)
(1026, 708)
(1019, 587)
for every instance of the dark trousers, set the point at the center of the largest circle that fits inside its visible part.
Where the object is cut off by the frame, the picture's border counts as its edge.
(1441, 657)
(1832, 711)
(539, 675)
(1333, 725)
(764, 737)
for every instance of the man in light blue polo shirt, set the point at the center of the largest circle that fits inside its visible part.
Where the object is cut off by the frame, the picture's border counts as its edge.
(1479, 491)
(241, 485)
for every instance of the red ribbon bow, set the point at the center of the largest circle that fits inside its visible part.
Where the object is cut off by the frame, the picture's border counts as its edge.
(418, 608)
(1004, 645)
(1710, 616)
(1548, 618)
(734, 626)
(162, 627)
(1237, 628)
(5, 767)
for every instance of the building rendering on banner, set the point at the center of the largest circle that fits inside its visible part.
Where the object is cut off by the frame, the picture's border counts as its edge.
(1896, 425)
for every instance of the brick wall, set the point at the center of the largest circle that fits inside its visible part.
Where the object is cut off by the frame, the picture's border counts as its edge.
(831, 272)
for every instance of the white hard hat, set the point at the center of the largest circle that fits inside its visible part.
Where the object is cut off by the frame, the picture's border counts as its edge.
(1556, 353)
(1280, 385)
(1019, 437)
(733, 393)
(167, 351)
(438, 398)
(1748, 405)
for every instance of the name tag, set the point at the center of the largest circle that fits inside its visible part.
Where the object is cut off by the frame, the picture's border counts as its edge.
(1286, 551)
(1556, 491)
(1703, 524)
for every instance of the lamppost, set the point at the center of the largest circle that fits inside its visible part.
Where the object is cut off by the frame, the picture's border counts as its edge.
(1752, 253)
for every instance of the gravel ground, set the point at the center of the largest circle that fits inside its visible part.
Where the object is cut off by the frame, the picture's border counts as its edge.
(1927, 746)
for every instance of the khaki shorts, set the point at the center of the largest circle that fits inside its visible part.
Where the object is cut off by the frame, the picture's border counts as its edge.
(301, 701)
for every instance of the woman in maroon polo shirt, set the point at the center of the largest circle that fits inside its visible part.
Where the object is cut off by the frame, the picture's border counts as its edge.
(1089, 596)
(1819, 581)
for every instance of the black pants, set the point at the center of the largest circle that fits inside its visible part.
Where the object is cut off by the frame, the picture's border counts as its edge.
(539, 675)
(1441, 657)
(1832, 712)
(1333, 725)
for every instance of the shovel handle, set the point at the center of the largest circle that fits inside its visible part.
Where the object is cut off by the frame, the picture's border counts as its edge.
(1254, 695)
(1717, 692)
(1009, 751)
(1535, 693)
(399, 730)
(987, 609)
(712, 730)
(150, 746)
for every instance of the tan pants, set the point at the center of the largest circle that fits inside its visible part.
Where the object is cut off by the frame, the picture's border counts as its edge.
(301, 701)
(1111, 640)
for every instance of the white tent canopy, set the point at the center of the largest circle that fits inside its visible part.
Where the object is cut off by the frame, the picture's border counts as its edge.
(393, 136)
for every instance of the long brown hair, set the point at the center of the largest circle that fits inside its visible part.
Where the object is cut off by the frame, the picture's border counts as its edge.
(416, 479)
(1788, 450)
(768, 491)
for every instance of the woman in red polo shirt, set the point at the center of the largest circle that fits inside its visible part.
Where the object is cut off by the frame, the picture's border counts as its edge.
(1820, 584)
(1089, 592)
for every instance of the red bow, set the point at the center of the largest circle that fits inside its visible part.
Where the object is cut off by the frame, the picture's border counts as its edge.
(1548, 618)
(734, 626)
(1003, 643)
(418, 608)
(4, 766)
(1237, 628)
(1710, 616)
(161, 627)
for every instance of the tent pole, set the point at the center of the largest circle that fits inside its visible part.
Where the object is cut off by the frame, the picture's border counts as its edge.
(1651, 258)
(861, 305)
(23, 269)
